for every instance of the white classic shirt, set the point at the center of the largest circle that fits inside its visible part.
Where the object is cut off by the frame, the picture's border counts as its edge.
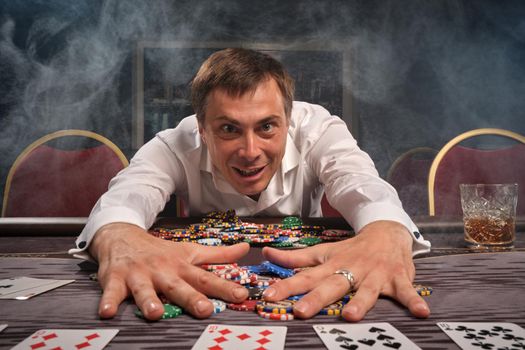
(320, 154)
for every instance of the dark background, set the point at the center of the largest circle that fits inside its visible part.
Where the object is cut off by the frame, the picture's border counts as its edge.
(421, 71)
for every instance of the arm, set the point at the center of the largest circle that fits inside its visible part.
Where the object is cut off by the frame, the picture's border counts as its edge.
(380, 256)
(134, 263)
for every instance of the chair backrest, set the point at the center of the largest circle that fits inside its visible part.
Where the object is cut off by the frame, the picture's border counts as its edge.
(49, 182)
(408, 174)
(327, 209)
(455, 164)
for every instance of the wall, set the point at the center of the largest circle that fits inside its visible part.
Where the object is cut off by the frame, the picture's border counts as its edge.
(421, 71)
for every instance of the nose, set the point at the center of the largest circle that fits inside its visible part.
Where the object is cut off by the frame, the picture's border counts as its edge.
(249, 149)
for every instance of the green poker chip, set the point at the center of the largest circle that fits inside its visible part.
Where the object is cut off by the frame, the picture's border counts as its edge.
(309, 241)
(291, 221)
(170, 311)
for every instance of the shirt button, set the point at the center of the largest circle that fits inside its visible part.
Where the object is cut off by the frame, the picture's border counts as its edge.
(416, 234)
(81, 245)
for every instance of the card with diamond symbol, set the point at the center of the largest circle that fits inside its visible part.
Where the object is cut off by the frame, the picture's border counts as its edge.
(223, 337)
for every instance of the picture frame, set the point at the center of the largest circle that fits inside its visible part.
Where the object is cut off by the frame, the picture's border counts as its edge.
(162, 72)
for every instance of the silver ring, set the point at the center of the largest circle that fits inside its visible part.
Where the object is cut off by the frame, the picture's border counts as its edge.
(349, 276)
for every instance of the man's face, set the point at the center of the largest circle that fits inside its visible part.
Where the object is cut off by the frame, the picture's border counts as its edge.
(246, 136)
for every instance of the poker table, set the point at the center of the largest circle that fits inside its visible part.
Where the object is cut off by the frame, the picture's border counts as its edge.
(468, 286)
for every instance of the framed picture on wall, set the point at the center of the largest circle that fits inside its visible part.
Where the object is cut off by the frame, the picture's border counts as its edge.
(163, 71)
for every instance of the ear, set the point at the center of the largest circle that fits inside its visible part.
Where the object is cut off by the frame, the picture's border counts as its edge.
(201, 132)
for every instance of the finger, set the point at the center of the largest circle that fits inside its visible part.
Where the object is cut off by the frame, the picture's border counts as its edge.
(216, 255)
(181, 293)
(311, 256)
(407, 295)
(114, 291)
(210, 284)
(364, 299)
(145, 296)
(328, 291)
(300, 283)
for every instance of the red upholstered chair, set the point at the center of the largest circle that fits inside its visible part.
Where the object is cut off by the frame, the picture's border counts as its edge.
(327, 209)
(45, 181)
(455, 164)
(408, 174)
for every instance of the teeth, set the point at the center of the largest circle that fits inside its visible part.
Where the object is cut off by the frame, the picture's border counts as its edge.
(248, 172)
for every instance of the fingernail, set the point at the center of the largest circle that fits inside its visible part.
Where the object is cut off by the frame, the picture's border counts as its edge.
(269, 292)
(301, 307)
(239, 293)
(353, 310)
(105, 307)
(202, 306)
(422, 308)
(151, 306)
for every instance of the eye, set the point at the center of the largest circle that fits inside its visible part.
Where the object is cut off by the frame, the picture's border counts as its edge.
(228, 128)
(267, 127)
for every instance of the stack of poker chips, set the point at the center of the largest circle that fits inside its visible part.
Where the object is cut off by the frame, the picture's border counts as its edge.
(224, 228)
(256, 278)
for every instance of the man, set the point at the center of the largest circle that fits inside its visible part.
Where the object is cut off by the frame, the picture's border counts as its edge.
(250, 148)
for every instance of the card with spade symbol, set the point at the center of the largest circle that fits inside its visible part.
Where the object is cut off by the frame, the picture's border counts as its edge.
(485, 335)
(362, 336)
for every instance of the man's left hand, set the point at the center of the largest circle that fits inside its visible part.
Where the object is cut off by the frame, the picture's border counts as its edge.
(380, 259)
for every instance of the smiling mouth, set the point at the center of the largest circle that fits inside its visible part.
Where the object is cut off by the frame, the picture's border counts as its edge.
(249, 172)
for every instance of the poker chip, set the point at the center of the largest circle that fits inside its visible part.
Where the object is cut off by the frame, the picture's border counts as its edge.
(296, 297)
(258, 269)
(278, 270)
(247, 305)
(309, 241)
(275, 317)
(276, 307)
(218, 305)
(210, 241)
(423, 291)
(264, 281)
(212, 267)
(334, 309)
(170, 311)
(346, 298)
(291, 221)
(251, 278)
(255, 293)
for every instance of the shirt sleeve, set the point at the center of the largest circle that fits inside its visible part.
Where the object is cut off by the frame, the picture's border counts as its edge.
(352, 183)
(136, 195)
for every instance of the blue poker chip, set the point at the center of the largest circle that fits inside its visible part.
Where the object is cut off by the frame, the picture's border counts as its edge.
(296, 297)
(278, 270)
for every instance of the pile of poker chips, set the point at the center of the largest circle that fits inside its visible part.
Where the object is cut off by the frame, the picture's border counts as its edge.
(256, 278)
(225, 228)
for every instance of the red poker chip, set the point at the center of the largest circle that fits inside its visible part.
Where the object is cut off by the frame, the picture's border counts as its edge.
(247, 305)
(212, 267)
(275, 317)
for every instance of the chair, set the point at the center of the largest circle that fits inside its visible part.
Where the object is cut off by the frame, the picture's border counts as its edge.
(327, 209)
(46, 181)
(455, 164)
(408, 174)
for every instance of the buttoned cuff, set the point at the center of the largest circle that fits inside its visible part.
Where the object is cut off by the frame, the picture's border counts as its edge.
(384, 211)
(95, 222)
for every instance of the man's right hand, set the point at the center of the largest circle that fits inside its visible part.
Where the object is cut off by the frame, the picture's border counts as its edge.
(135, 263)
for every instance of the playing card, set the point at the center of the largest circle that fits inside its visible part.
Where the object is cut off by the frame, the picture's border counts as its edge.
(362, 336)
(22, 288)
(2, 327)
(85, 339)
(221, 336)
(485, 335)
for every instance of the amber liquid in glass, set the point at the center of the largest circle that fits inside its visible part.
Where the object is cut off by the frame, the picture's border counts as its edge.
(490, 232)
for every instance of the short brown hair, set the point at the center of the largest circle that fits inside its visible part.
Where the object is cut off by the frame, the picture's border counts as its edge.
(238, 71)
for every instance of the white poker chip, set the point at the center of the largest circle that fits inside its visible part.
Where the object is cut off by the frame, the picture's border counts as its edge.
(210, 241)
(218, 305)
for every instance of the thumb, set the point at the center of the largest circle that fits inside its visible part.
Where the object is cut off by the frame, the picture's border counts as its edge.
(311, 256)
(217, 255)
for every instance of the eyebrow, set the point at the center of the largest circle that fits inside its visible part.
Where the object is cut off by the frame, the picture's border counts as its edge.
(235, 122)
